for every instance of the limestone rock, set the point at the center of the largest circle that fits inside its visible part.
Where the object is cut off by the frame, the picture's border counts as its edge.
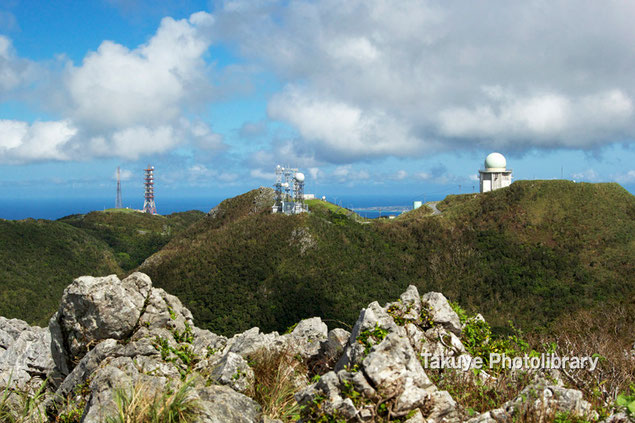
(307, 335)
(440, 312)
(26, 358)
(394, 368)
(93, 309)
(370, 318)
(253, 340)
(443, 409)
(232, 370)
(221, 404)
(542, 400)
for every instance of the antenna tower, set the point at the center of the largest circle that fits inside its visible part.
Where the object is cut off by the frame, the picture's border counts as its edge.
(289, 191)
(118, 202)
(148, 205)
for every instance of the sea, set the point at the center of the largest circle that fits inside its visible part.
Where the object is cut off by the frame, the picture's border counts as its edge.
(369, 206)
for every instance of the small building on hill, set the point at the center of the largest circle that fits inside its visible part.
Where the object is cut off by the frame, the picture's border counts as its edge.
(495, 175)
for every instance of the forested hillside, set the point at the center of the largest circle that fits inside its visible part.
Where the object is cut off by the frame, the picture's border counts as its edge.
(529, 253)
(133, 236)
(38, 259)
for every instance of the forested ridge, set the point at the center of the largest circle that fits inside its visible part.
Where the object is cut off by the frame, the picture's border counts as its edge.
(530, 253)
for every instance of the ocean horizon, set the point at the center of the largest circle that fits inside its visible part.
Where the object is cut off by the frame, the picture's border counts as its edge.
(369, 206)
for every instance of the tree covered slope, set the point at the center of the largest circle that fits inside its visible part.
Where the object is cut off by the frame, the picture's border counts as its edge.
(133, 236)
(38, 259)
(532, 252)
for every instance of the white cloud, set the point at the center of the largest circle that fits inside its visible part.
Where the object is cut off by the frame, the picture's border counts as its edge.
(116, 87)
(23, 142)
(119, 102)
(626, 178)
(263, 175)
(203, 135)
(124, 174)
(371, 78)
(14, 71)
(588, 175)
(552, 120)
(315, 173)
(348, 174)
(338, 131)
(401, 175)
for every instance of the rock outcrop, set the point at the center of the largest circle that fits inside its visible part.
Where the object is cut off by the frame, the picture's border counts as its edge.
(114, 339)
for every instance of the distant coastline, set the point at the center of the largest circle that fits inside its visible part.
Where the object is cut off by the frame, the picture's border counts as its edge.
(369, 206)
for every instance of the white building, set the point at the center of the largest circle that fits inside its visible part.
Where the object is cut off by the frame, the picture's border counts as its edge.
(495, 175)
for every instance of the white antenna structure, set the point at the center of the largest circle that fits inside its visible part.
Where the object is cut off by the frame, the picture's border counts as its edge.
(289, 191)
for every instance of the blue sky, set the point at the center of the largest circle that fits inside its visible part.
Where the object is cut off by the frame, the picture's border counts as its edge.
(365, 96)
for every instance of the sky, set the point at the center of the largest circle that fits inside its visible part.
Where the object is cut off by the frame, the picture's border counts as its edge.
(368, 97)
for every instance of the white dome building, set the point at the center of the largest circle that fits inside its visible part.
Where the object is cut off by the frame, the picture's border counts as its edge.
(495, 175)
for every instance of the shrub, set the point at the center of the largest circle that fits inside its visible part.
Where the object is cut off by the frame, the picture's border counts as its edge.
(277, 375)
(140, 405)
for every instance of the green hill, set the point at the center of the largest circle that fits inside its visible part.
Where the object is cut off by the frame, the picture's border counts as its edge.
(532, 253)
(133, 236)
(38, 259)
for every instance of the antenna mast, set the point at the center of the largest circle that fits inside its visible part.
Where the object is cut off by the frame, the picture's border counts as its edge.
(118, 202)
(148, 205)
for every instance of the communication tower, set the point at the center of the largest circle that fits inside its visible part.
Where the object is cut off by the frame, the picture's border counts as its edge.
(298, 193)
(118, 202)
(148, 205)
(289, 191)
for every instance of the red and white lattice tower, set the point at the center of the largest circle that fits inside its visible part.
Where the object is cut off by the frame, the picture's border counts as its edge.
(148, 204)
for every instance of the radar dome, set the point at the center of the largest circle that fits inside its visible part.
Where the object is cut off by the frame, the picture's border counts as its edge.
(299, 177)
(495, 161)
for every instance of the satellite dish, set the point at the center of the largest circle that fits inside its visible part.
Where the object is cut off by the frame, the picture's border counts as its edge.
(299, 177)
(285, 184)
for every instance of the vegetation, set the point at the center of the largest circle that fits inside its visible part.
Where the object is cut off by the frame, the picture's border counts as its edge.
(141, 404)
(133, 236)
(530, 253)
(38, 259)
(584, 334)
(277, 376)
(21, 407)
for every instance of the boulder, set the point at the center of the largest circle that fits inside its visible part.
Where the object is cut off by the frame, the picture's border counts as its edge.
(440, 312)
(232, 370)
(93, 309)
(252, 340)
(25, 359)
(394, 368)
(307, 336)
(221, 404)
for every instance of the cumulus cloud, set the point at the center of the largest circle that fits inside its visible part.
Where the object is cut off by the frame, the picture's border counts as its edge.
(14, 71)
(119, 102)
(373, 78)
(23, 142)
(116, 87)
